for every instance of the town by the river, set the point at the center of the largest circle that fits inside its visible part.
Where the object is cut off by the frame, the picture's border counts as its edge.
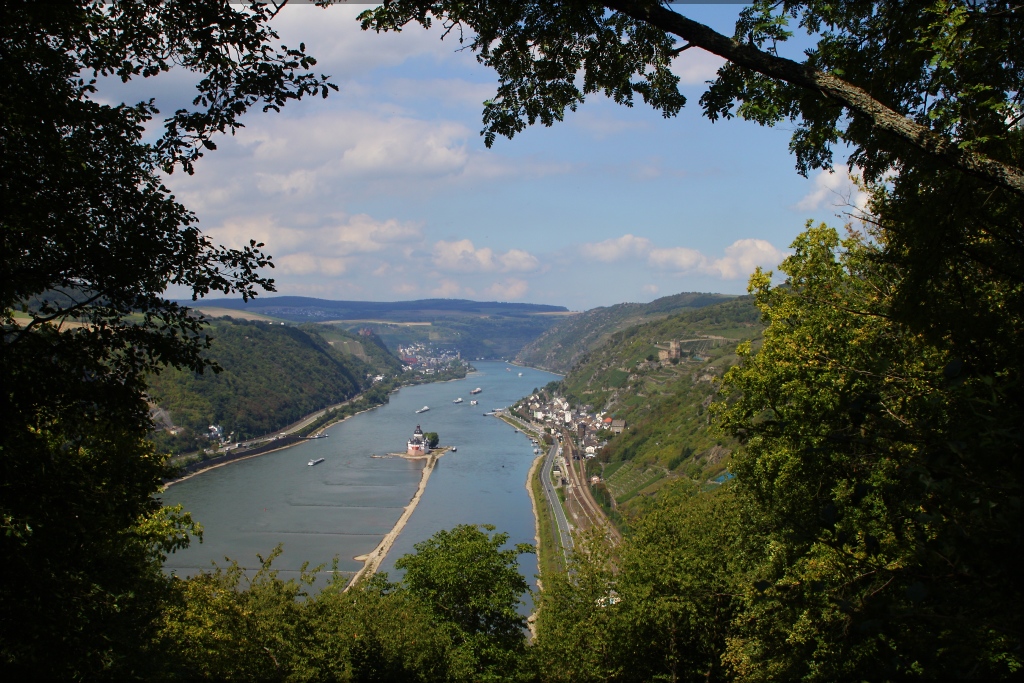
(345, 505)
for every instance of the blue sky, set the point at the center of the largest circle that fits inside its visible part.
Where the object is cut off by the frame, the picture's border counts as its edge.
(385, 190)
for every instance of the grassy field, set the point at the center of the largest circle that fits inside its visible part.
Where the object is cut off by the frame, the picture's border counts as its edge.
(217, 312)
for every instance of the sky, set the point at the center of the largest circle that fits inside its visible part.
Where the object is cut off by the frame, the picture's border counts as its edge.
(385, 191)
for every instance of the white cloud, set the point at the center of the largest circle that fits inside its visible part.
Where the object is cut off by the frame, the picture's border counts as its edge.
(680, 259)
(508, 290)
(463, 256)
(328, 249)
(304, 263)
(518, 260)
(651, 289)
(616, 249)
(835, 189)
(344, 50)
(742, 257)
(332, 144)
(362, 234)
(695, 66)
(446, 288)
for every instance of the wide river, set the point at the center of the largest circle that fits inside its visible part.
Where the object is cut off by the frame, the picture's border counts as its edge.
(344, 506)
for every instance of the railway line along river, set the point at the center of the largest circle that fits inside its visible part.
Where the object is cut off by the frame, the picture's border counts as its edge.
(345, 505)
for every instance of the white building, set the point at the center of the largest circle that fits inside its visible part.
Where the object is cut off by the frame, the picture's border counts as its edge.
(418, 445)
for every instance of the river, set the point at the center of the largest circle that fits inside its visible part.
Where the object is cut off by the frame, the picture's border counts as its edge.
(344, 506)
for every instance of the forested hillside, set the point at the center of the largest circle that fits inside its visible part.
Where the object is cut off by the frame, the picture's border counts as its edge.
(272, 375)
(560, 347)
(669, 435)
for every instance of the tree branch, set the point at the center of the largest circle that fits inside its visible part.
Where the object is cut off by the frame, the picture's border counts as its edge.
(854, 98)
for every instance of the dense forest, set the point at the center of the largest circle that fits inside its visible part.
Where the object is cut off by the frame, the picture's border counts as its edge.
(872, 405)
(271, 375)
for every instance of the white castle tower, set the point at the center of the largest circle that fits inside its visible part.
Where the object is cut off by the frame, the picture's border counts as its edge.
(418, 445)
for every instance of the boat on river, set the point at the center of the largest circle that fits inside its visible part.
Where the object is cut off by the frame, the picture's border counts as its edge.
(458, 400)
(476, 391)
(423, 410)
(473, 403)
(315, 461)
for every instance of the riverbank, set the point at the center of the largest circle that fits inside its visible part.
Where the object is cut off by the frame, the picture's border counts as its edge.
(533, 504)
(221, 461)
(371, 561)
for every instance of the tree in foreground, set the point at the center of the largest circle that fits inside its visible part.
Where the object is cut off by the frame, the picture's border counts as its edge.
(453, 617)
(470, 584)
(878, 486)
(92, 239)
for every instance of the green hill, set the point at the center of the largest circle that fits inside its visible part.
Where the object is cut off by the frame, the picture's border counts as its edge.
(664, 402)
(560, 347)
(272, 376)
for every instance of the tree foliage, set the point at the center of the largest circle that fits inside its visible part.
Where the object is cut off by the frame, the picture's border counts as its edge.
(468, 582)
(453, 617)
(91, 240)
(879, 480)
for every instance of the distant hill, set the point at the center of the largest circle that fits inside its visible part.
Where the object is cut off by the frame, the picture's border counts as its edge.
(477, 329)
(307, 309)
(664, 402)
(562, 345)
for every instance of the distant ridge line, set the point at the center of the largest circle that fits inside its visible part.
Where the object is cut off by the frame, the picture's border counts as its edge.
(310, 308)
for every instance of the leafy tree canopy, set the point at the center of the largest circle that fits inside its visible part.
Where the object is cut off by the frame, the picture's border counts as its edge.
(879, 485)
(470, 583)
(91, 240)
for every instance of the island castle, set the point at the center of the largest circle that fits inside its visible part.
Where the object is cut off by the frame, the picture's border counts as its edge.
(418, 445)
